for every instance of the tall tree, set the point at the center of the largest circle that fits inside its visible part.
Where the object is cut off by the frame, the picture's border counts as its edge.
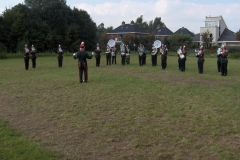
(206, 38)
(157, 22)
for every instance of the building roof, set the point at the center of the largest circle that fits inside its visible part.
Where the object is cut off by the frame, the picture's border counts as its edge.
(227, 35)
(127, 28)
(162, 31)
(184, 31)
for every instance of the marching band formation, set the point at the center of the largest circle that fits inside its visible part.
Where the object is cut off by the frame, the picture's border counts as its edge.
(111, 54)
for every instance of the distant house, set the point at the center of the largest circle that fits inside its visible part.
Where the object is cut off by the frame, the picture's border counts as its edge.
(161, 32)
(184, 31)
(219, 31)
(118, 33)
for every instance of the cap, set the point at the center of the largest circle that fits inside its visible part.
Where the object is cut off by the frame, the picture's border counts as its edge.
(82, 45)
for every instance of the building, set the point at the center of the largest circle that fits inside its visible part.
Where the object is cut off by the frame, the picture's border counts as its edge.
(118, 33)
(184, 30)
(161, 32)
(219, 31)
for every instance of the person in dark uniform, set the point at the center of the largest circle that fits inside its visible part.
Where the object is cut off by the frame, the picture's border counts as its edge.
(200, 56)
(224, 61)
(128, 53)
(123, 50)
(33, 56)
(82, 57)
(179, 52)
(60, 56)
(108, 55)
(183, 60)
(98, 55)
(114, 55)
(144, 56)
(219, 57)
(154, 56)
(164, 57)
(140, 54)
(26, 57)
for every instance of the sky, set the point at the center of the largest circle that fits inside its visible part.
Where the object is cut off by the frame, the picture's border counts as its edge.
(174, 14)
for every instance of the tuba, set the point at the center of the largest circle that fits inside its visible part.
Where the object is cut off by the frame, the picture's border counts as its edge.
(156, 45)
(111, 43)
(154, 50)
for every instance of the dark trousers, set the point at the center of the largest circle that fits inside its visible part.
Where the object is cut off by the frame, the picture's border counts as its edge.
(83, 70)
(98, 61)
(128, 59)
(154, 60)
(182, 64)
(200, 67)
(223, 69)
(26, 62)
(108, 58)
(123, 59)
(60, 60)
(164, 63)
(140, 58)
(114, 60)
(34, 61)
(144, 59)
(219, 66)
(179, 63)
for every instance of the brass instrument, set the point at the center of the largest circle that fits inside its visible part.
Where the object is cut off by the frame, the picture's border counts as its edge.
(107, 50)
(122, 49)
(181, 55)
(157, 44)
(111, 43)
(154, 51)
(140, 51)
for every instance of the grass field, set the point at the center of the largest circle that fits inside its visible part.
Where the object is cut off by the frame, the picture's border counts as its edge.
(123, 112)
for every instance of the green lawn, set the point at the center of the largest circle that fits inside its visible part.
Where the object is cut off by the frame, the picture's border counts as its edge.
(123, 112)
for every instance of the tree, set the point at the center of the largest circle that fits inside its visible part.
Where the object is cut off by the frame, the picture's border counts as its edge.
(178, 40)
(206, 38)
(238, 35)
(157, 22)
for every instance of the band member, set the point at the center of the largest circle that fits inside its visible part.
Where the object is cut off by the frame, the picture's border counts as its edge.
(33, 56)
(60, 56)
(164, 56)
(123, 50)
(154, 55)
(128, 53)
(82, 57)
(144, 56)
(108, 55)
(183, 60)
(26, 57)
(114, 55)
(179, 52)
(140, 54)
(219, 57)
(224, 61)
(200, 56)
(98, 55)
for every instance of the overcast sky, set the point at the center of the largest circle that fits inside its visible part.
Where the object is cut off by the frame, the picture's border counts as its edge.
(174, 13)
